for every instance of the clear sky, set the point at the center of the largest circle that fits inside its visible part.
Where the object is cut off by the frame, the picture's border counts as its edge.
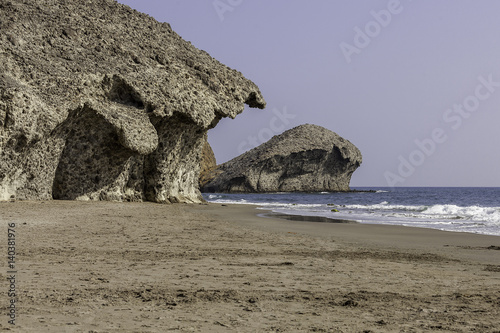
(415, 85)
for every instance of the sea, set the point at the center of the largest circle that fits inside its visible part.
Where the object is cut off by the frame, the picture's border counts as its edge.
(457, 209)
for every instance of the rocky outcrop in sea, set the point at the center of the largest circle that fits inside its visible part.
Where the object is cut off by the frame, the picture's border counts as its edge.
(101, 102)
(307, 158)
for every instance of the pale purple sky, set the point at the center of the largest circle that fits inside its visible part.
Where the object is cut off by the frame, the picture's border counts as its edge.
(415, 85)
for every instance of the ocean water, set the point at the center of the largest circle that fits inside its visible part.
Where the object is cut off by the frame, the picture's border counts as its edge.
(459, 209)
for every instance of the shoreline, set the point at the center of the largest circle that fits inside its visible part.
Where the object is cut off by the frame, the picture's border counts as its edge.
(382, 236)
(129, 267)
(304, 218)
(472, 210)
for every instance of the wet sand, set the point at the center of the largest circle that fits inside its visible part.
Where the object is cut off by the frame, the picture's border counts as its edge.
(143, 267)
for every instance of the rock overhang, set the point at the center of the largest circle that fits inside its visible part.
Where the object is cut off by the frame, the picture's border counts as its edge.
(69, 63)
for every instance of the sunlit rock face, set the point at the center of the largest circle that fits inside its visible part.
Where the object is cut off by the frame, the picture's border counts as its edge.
(207, 164)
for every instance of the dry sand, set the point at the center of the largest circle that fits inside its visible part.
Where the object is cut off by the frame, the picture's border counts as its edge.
(143, 267)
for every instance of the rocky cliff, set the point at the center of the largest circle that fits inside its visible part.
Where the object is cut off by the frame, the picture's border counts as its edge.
(101, 102)
(307, 158)
(207, 165)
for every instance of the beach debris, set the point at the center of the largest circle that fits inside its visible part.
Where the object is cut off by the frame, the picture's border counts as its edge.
(221, 324)
(350, 303)
(286, 263)
(492, 268)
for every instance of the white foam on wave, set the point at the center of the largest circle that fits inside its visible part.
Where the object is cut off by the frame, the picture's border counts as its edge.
(474, 213)
(288, 205)
(381, 191)
(291, 206)
(475, 219)
(234, 202)
(386, 206)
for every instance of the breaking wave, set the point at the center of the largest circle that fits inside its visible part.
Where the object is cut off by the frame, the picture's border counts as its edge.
(462, 210)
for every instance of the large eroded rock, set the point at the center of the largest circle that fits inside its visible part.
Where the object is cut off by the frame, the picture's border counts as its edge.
(101, 102)
(307, 158)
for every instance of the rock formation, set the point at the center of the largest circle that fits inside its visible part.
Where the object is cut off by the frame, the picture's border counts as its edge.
(101, 102)
(307, 158)
(207, 165)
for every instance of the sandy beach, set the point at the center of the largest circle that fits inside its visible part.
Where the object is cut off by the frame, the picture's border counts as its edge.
(144, 267)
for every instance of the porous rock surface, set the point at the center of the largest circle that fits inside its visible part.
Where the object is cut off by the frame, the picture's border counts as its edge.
(101, 102)
(307, 158)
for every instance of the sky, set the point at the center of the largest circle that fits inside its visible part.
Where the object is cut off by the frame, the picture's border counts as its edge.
(415, 85)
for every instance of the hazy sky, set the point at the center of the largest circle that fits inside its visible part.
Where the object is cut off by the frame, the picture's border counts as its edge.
(415, 85)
